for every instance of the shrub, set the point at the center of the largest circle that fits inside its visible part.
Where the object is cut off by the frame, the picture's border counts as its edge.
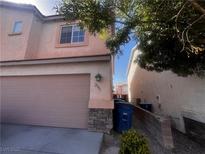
(133, 143)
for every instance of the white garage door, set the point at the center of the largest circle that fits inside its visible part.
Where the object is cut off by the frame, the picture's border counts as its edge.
(52, 100)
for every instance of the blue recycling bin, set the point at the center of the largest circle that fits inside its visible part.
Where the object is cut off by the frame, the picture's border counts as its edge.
(122, 116)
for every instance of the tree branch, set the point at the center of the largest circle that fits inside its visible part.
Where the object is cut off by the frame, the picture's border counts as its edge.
(117, 7)
(187, 31)
(197, 6)
(177, 16)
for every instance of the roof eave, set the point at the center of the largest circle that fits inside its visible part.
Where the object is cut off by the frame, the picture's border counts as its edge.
(32, 8)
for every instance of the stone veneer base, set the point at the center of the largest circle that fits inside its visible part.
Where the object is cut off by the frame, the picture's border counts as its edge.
(100, 120)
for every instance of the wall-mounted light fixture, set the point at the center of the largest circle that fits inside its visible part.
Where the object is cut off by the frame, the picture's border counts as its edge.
(98, 77)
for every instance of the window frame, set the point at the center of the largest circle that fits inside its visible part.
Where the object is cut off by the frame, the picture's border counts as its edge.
(14, 27)
(72, 44)
(70, 36)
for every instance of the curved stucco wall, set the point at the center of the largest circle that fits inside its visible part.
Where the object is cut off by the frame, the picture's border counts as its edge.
(170, 94)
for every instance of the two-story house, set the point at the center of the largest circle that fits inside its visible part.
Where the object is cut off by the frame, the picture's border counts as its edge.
(53, 73)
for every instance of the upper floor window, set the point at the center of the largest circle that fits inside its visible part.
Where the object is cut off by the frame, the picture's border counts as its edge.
(17, 27)
(72, 34)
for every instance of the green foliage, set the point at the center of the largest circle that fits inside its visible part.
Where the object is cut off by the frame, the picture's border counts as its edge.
(92, 14)
(133, 143)
(171, 33)
(166, 40)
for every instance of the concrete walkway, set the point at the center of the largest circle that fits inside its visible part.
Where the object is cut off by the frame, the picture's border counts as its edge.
(21, 139)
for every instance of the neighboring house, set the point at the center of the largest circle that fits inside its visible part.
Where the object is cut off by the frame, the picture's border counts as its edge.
(49, 70)
(121, 91)
(183, 99)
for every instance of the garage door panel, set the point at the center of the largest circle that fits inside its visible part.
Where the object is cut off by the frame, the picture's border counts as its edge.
(56, 100)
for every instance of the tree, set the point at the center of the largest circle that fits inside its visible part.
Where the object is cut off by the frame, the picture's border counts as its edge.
(171, 33)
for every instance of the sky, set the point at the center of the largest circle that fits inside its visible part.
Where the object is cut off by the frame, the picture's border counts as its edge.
(45, 6)
(121, 61)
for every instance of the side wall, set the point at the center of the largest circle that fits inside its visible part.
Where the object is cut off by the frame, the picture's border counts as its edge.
(13, 47)
(169, 94)
(34, 38)
(158, 127)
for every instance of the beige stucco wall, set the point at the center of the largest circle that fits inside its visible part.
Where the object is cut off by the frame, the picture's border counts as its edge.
(39, 38)
(48, 41)
(178, 96)
(100, 92)
(13, 47)
(34, 38)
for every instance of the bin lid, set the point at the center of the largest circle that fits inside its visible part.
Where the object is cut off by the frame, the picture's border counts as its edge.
(119, 105)
(117, 100)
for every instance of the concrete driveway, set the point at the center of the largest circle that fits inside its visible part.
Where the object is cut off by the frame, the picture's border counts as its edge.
(21, 139)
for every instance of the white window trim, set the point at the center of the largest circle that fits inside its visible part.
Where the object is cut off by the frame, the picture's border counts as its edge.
(72, 34)
(72, 25)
